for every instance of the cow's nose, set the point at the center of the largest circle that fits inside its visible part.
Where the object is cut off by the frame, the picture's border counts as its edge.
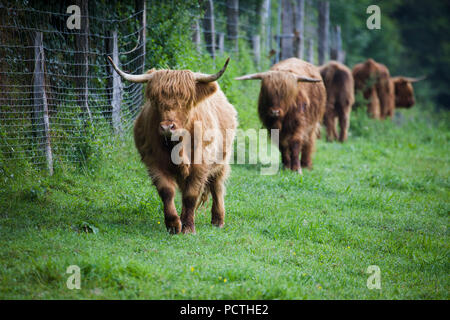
(167, 127)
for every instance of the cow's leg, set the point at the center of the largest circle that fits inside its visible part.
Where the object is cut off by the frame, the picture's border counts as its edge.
(190, 194)
(166, 190)
(344, 122)
(295, 159)
(330, 123)
(217, 187)
(307, 151)
(285, 155)
(373, 108)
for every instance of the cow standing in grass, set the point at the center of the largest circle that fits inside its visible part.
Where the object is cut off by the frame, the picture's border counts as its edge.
(292, 99)
(383, 91)
(374, 80)
(180, 101)
(338, 81)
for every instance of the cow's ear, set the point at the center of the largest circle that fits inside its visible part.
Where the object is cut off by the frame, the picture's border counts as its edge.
(204, 90)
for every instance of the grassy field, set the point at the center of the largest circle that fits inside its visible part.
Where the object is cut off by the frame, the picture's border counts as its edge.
(380, 199)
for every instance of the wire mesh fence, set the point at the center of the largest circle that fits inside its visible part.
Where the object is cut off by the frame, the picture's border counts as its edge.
(58, 92)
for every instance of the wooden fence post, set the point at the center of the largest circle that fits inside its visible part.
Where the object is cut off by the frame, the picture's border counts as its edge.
(209, 28)
(40, 108)
(82, 59)
(266, 28)
(256, 44)
(287, 38)
(311, 51)
(114, 84)
(196, 37)
(324, 22)
(221, 43)
(140, 52)
(299, 28)
(233, 23)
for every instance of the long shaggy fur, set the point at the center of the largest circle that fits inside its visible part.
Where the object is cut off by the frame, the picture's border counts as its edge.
(339, 83)
(300, 105)
(374, 80)
(175, 96)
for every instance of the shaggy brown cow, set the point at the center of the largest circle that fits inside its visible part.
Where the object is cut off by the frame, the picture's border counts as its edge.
(404, 92)
(338, 81)
(294, 107)
(384, 92)
(178, 101)
(374, 80)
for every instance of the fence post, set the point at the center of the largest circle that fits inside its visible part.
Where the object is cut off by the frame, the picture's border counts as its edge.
(311, 51)
(233, 23)
(208, 27)
(82, 59)
(196, 37)
(299, 28)
(256, 44)
(140, 52)
(221, 43)
(324, 22)
(40, 108)
(287, 38)
(265, 23)
(114, 84)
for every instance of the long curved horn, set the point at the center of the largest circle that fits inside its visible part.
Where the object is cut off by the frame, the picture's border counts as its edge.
(131, 77)
(408, 79)
(211, 77)
(415, 79)
(306, 79)
(253, 76)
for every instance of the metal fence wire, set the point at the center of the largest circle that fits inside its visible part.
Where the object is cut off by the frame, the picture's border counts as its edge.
(58, 92)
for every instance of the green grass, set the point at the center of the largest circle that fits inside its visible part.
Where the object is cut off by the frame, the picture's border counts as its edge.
(379, 199)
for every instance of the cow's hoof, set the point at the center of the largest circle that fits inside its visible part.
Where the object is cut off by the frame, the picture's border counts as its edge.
(174, 227)
(299, 171)
(187, 229)
(218, 224)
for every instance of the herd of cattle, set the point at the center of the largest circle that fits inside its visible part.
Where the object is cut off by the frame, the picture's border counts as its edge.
(295, 98)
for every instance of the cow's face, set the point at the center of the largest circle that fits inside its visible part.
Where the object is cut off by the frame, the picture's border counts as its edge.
(279, 91)
(174, 94)
(404, 93)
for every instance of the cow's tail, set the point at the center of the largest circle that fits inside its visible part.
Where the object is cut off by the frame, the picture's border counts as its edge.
(204, 197)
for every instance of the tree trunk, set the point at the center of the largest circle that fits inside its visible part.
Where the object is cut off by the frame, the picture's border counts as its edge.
(40, 109)
(287, 38)
(233, 23)
(324, 22)
(208, 27)
(82, 59)
(299, 28)
(336, 52)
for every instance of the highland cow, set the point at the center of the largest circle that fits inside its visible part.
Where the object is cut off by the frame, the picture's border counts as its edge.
(384, 92)
(292, 99)
(339, 84)
(374, 80)
(404, 91)
(181, 101)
